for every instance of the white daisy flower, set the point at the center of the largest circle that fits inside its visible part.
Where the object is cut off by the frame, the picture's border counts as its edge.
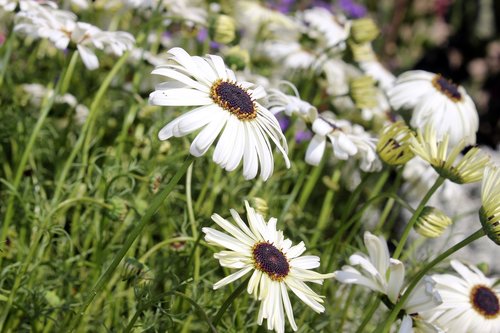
(379, 271)
(471, 303)
(376, 70)
(320, 23)
(348, 141)
(275, 264)
(438, 102)
(223, 105)
(290, 104)
(61, 28)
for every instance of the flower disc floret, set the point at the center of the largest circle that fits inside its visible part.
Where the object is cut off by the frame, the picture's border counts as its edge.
(447, 87)
(270, 260)
(485, 301)
(233, 98)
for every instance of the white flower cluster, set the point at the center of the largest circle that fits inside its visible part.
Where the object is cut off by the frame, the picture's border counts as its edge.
(64, 30)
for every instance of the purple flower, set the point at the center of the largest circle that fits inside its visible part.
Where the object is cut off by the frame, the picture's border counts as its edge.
(302, 136)
(352, 9)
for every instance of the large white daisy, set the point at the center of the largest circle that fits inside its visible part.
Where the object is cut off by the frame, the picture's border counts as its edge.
(275, 264)
(470, 302)
(223, 105)
(438, 102)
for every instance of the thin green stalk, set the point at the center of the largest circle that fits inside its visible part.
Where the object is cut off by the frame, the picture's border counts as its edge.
(369, 314)
(415, 216)
(347, 306)
(293, 194)
(6, 56)
(402, 300)
(192, 222)
(83, 142)
(326, 208)
(44, 112)
(311, 183)
(156, 202)
(229, 301)
(20, 274)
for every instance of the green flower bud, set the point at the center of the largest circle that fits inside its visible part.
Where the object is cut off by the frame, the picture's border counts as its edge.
(363, 92)
(364, 30)
(432, 222)
(393, 146)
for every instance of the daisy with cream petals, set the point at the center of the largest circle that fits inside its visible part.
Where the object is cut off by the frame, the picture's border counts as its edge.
(275, 264)
(471, 303)
(468, 170)
(222, 105)
(438, 102)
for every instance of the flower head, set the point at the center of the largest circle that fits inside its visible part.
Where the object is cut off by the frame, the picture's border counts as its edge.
(471, 303)
(489, 214)
(348, 141)
(379, 271)
(275, 264)
(438, 102)
(222, 105)
(62, 29)
(468, 170)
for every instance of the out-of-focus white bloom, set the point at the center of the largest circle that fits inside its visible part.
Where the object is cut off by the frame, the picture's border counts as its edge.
(290, 104)
(255, 19)
(438, 102)
(290, 54)
(336, 75)
(348, 141)
(471, 302)
(379, 272)
(376, 70)
(38, 92)
(61, 28)
(319, 23)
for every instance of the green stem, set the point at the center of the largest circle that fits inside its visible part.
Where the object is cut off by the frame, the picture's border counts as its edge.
(44, 112)
(156, 202)
(402, 300)
(326, 208)
(192, 222)
(85, 134)
(411, 223)
(369, 314)
(311, 183)
(229, 301)
(69, 73)
(6, 56)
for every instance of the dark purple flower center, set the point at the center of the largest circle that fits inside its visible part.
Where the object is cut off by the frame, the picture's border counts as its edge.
(485, 301)
(233, 98)
(270, 260)
(447, 88)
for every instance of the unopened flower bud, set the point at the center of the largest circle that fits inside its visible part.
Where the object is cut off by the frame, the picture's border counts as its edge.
(432, 222)
(363, 92)
(393, 146)
(222, 29)
(119, 209)
(364, 30)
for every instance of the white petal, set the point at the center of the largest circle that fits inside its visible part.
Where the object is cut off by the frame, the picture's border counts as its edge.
(233, 277)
